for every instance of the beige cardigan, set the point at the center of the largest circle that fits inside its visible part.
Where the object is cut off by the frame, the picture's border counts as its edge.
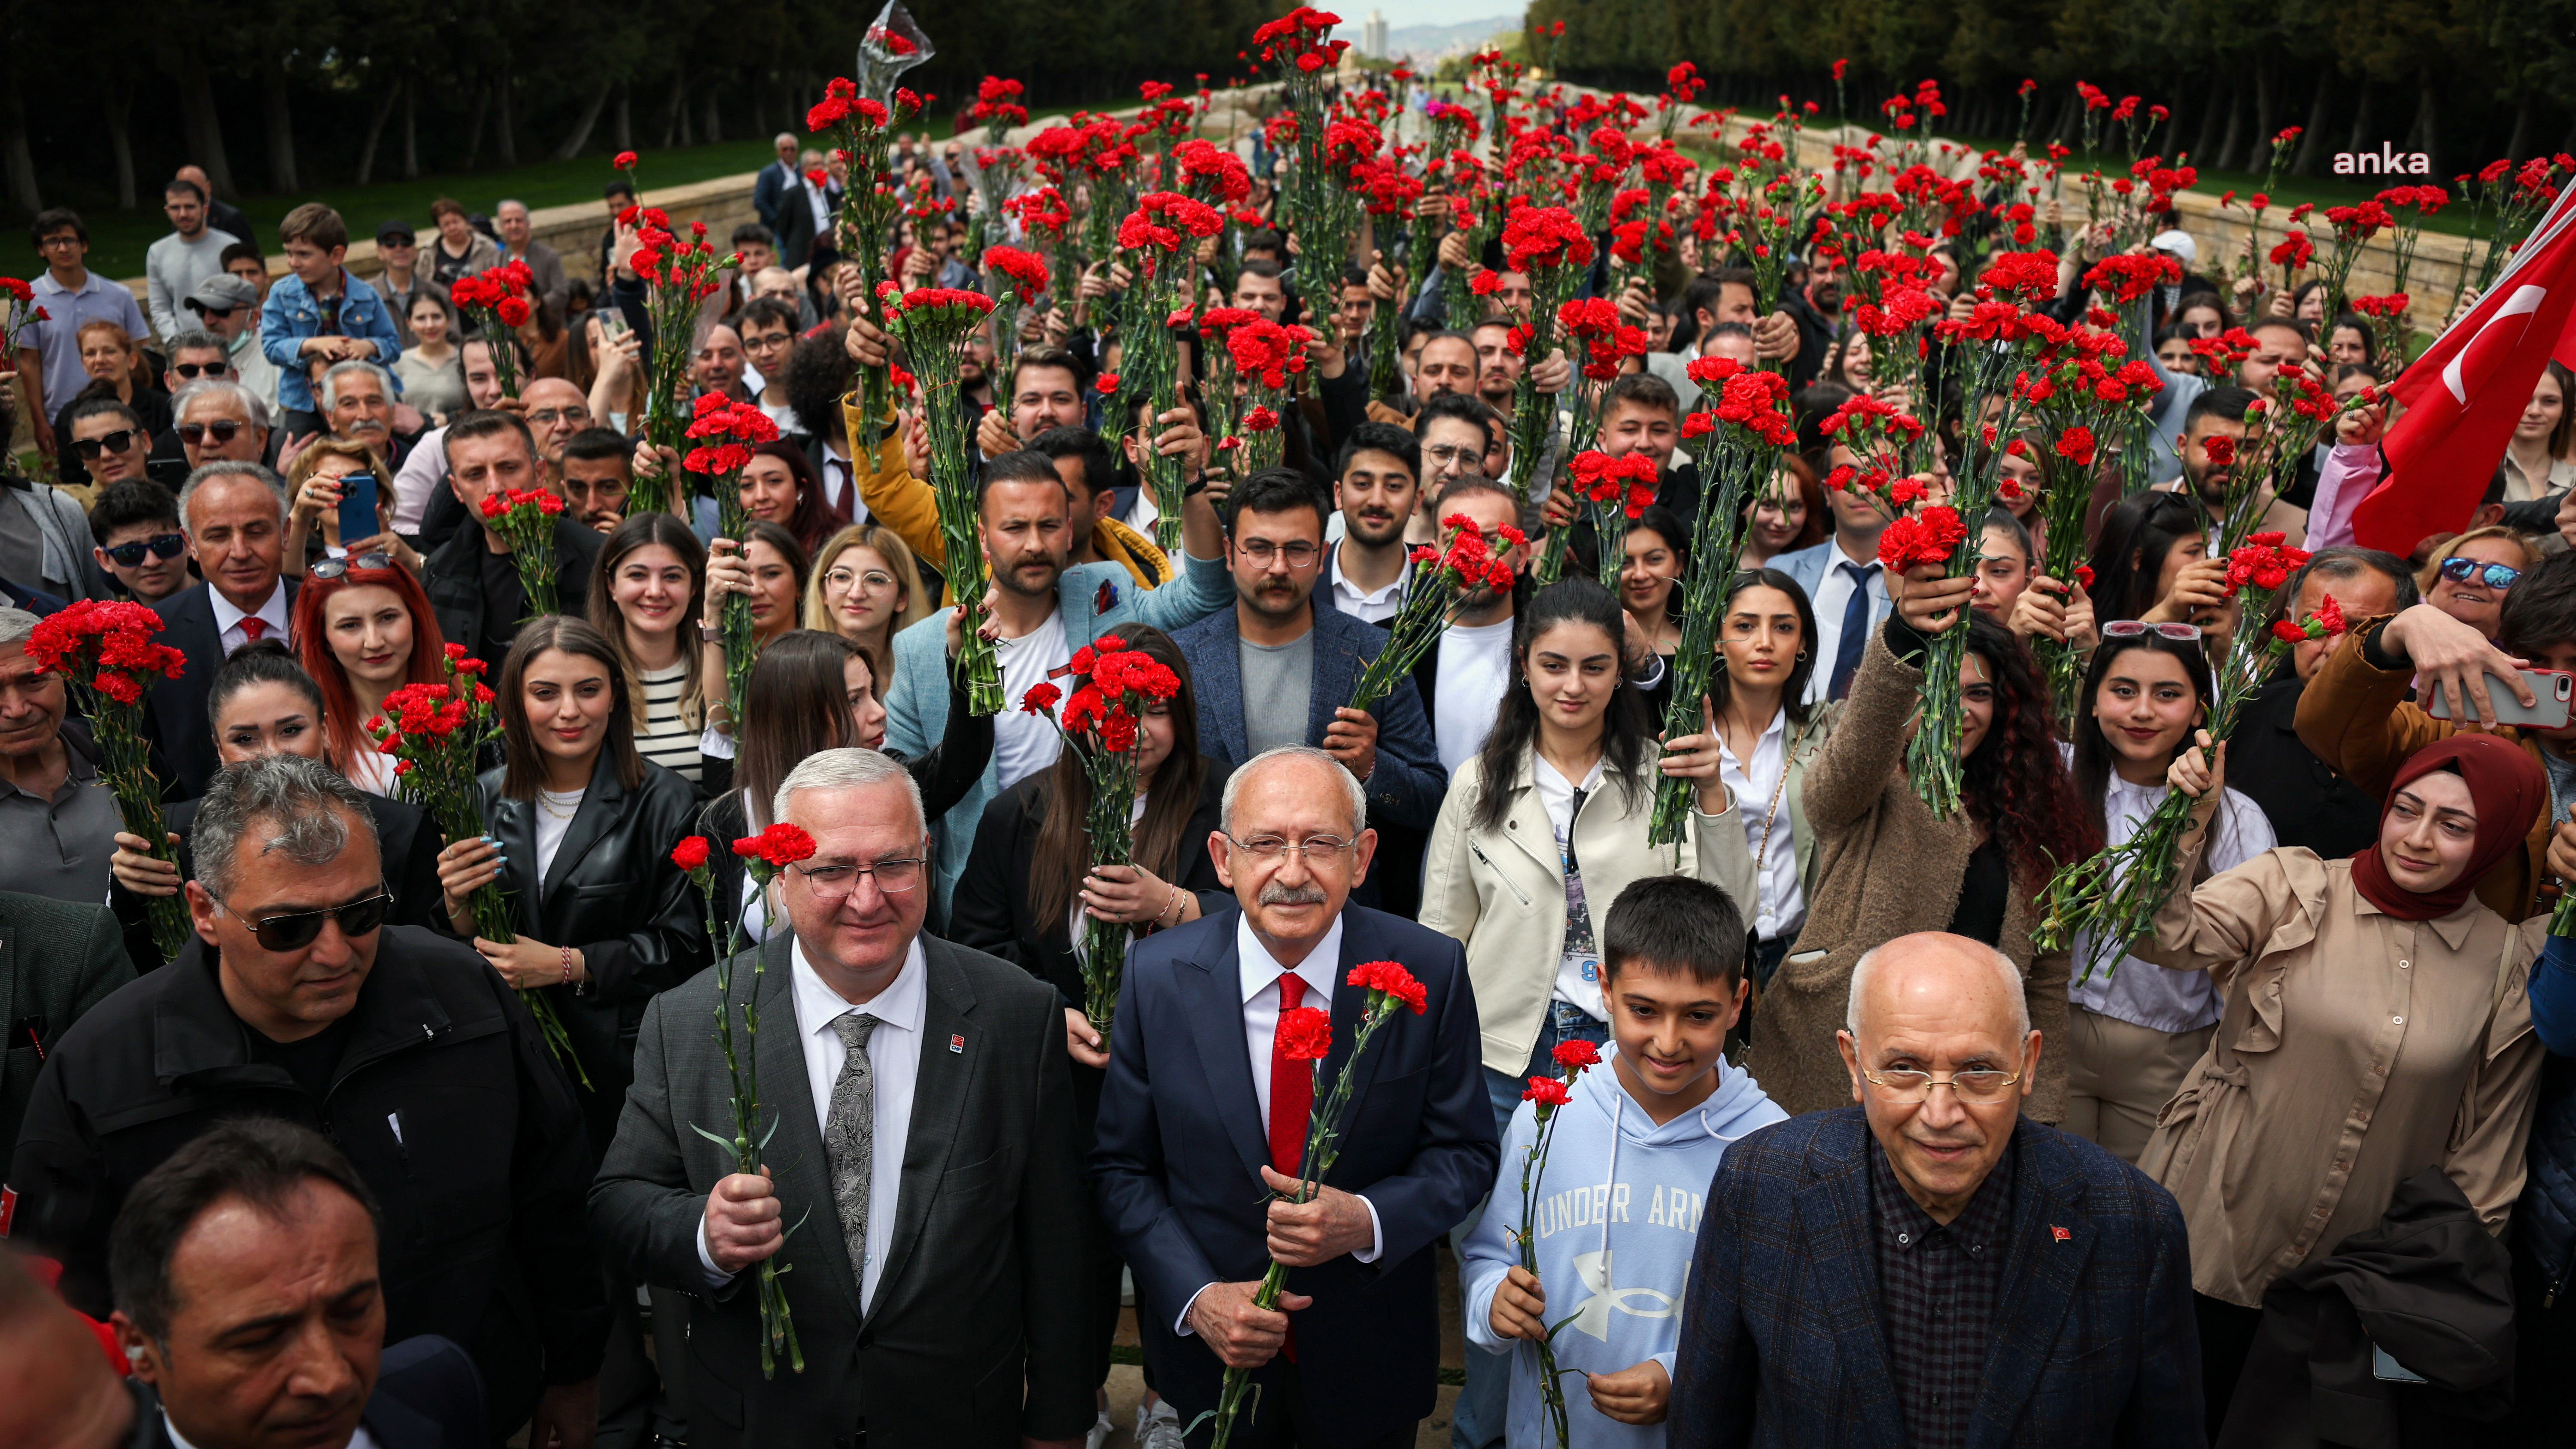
(1886, 867)
(1502, 893)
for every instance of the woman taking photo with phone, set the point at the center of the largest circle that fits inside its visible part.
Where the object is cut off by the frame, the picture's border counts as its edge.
(363, 629)
(580, 836)
(2133, 1028)
(646, 596)
(316, 480)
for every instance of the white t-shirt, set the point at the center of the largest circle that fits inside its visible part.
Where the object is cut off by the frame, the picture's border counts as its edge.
(1475, 668)
(1024, 744)
(555, 810)
(1578, 963)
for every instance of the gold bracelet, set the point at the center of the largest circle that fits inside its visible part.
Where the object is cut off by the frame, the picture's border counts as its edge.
(1174, 907)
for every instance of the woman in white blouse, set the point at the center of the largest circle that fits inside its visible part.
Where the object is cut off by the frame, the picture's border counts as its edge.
(1767, 732)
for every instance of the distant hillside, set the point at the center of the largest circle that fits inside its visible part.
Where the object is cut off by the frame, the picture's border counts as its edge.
(1433, 42)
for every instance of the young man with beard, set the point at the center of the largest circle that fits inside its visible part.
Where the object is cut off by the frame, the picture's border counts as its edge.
(2218, 415)
(1639, 414)
(1379, 485)
(1043, 607)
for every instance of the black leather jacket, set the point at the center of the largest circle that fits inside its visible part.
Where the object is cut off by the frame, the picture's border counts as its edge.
(613, 895)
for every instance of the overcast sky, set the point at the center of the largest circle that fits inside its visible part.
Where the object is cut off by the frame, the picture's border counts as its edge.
(1401, 13)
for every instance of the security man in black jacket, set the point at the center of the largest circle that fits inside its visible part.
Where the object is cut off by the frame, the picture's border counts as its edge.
(297, 1001)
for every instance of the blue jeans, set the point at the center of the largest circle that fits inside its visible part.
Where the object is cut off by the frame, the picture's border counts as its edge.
(1477, 1421)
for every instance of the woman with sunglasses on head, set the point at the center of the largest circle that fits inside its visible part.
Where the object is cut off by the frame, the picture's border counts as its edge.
(1888, 867)
(581, 830)
(2471, 574)
(867, 588)
(2133, 1029)
(2375, 1024)
(313, 481)
(645, 599)
(363, 629)
(261, 702)
(2151, 561)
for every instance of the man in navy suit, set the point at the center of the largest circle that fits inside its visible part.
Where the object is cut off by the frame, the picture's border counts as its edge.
(235, 517)
(1931, 1268)
(1201, 1122)
(1845, 584)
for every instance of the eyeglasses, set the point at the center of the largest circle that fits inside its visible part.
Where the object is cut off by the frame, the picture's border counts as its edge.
(224, 313)
(161, 545)
(188, 370)
(1908, 1087)
(115, 442)
(2493, 575)
(332, 568)
(1463, 457)
(2137, 628)
(840, 580)
(832, 882)
(296, 930)
(67, 239)
(224, 429)
(1261, 551)
(548, 417)
(1272, 847)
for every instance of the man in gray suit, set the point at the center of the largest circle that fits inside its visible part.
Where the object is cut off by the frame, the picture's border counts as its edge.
(57, 960)
(921, 1141)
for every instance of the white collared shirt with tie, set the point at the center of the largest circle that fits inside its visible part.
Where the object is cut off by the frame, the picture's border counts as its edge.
(1833, 595)
(228, 619)
(1260, 973)
(894, 1060)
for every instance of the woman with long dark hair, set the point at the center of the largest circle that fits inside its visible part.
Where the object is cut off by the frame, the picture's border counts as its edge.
(580, 845)
(646, 591)
(2132, 1028)
(1550, 816)
(779, 485)
(1888, 867)
(2151, 561)
(1767, 735)
(363, 628)
(1787, 516)
(768, 565)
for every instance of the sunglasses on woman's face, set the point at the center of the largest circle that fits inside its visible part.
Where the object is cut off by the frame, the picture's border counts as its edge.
(194, 434)
(2494, 575)
(161, 545)
(296, 931)
(115, 442)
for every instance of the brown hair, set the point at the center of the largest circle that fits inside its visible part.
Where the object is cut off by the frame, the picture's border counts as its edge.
(917, 603)
(313, 222)
(643, 531)
(796, 704)
(1064, 842)
(444, 206)
(520, 771)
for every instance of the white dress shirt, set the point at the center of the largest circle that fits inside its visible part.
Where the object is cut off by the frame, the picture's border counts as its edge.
(894, 1056)
(1369, 606)
(1760, 788)
(1833, 595)
(1473, 671)
(1260, 984)
(228, 626)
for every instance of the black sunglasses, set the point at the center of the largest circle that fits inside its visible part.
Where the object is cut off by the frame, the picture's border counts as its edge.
(205, 311)
(162, 545)
(115, 442)
(224, 430)
(334, 567)
(192, 369)
(296, 931)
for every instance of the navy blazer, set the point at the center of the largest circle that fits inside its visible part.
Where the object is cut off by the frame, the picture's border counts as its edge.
(1782, 1341)
(177, 707)
(1406, 786)
(1180, 1142)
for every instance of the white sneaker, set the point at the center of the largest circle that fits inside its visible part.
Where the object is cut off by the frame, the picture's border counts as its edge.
(1100, 1431)
(1158, 1426)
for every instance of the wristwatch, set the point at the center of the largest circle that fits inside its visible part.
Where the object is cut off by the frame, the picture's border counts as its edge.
(711, 633)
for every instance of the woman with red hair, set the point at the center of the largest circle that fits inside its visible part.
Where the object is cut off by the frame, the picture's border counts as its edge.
(779, 485)
(363, 629)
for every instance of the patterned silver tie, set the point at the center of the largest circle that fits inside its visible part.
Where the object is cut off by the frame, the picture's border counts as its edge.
(850, 1135)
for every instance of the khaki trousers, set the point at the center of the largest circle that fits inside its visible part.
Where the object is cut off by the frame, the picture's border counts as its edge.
(2119, 1075)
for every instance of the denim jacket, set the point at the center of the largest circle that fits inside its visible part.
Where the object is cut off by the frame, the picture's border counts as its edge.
(291, 315)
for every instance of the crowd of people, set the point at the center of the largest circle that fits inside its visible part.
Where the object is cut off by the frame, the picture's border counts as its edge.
(1929, 1177)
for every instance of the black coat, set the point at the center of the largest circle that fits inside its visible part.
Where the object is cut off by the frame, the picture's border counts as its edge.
(444, 1100)
(452, 576)
(613, 895)
(176, 713)
(405, 838)
(991, 914)
(2306, 801)
(58, 959)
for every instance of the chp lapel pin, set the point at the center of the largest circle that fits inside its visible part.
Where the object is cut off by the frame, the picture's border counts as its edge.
(957, 1041)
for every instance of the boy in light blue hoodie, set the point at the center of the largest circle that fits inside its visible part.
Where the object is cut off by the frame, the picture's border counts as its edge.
(1628, 1167)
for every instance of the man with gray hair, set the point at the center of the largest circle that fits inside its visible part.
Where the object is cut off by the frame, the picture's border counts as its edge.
(1960, 1272)
(922, 1129)
(234, 514)
(220, 420)
(1204, 1116)
(358, 402)
(58, 822)
(298, 1001)
(545, 266)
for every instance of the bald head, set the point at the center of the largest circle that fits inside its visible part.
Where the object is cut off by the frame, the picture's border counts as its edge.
(556, 410)
(1941, 1054)
(1949, 978)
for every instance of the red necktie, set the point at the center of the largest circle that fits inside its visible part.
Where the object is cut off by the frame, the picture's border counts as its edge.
(253, 626)
(849, 495)
(1292, 1087)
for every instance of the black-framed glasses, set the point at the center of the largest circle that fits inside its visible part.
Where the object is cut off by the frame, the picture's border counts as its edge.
(332, 568)
(224, 430)
(1274, 847)
(833, 880)
(2139, 628)
(1981, 1085)
(1299, 554)
(191, 370)
(2493, 575)
(115, 442)
(1463, 457)
(295, 930)
(159, 545)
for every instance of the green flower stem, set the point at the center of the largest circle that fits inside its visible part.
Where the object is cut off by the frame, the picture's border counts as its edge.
(126, 770)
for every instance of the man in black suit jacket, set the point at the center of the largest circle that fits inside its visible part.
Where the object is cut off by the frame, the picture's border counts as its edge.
(1194, 1130)
(471, 579)
(920, 1124)
(235, 517)
(249, 1306)
(57, 960)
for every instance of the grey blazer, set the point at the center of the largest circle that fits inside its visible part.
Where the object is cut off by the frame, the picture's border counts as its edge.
(979, 1329)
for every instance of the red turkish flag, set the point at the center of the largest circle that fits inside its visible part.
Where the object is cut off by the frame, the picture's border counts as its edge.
(2465, 393)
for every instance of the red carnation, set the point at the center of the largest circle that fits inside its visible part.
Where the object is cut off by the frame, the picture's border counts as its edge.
(780, 845)
(1040, 698)
(1577, 1054)
(1394, 980)
(691, 853)
(1547, 1092)
(1305, 1034)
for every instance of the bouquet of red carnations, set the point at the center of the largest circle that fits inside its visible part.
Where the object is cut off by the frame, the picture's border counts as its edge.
(436, 734)
(1267, 358)
(934, 325)
(1099, 726)
(526, 518)
(678, 277)
(23, 313)
(725, 432)
(1021, 276)
(1548, 246)
(1306, 1034)
(763, 857)
(1445, 581)
(496, 299)
(105, 652)
(1163, 234)
(1546, 1094)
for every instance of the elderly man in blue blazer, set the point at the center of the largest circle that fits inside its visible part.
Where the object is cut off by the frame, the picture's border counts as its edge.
(1930, 1269)
(1278, 669)
(1204, 1115)
(1044, 608)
